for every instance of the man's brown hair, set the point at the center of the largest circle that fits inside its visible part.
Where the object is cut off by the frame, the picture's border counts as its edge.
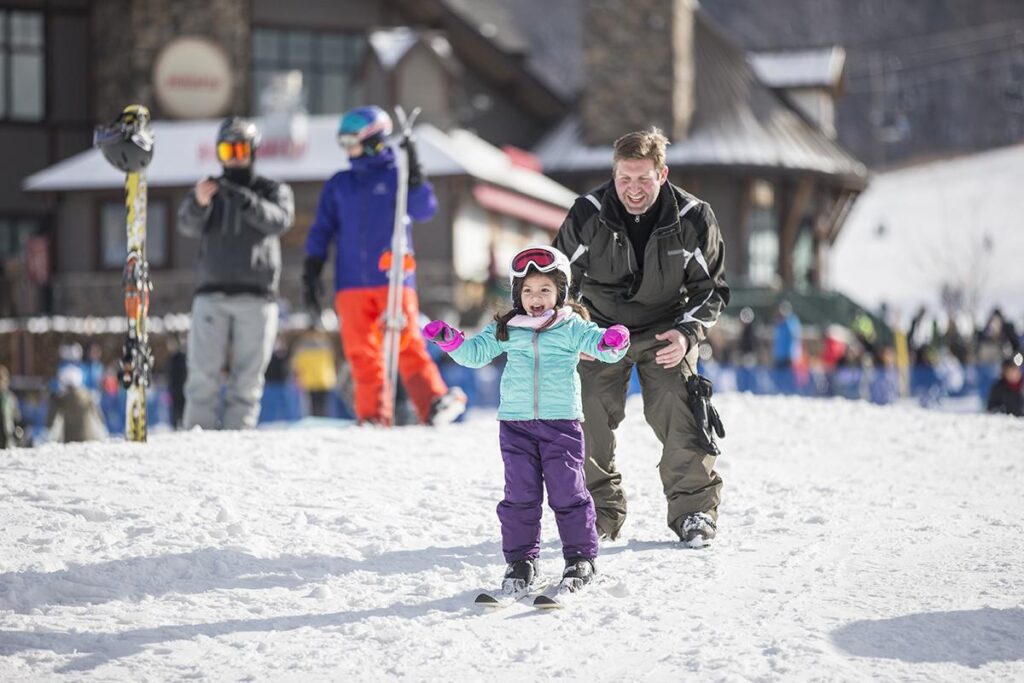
(642, 144)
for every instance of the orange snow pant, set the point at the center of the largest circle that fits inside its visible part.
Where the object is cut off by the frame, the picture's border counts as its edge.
(361, 318)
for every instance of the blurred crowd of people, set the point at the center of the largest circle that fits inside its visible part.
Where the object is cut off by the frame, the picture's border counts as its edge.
(931, 358)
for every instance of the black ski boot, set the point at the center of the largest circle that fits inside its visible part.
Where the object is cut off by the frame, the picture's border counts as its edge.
(696, 529)
(520, 576)
(579, 571)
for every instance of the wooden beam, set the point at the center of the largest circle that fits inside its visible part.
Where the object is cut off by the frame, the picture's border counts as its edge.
(793, 211)
(838, 216)
(742, 247)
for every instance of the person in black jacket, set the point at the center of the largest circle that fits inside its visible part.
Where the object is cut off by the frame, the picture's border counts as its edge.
(238, 217)
(649, 255)
(1006, 394)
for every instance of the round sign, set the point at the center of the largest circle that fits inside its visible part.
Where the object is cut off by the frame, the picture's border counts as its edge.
(192, 78)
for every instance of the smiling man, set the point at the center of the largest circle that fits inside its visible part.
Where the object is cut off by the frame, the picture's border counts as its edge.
(648, 255)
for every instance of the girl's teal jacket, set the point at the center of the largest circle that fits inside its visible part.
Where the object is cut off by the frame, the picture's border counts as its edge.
(540, 381)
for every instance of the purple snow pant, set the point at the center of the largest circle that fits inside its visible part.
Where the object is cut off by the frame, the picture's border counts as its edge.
(534, 452)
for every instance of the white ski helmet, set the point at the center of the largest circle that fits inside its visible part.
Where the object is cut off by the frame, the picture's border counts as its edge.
(542, 259)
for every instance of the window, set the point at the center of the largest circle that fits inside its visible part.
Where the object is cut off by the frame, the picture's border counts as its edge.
(328, 62)
(803, 256)
(22, 75)
(763, 240)
(114, 235)
(14, 234)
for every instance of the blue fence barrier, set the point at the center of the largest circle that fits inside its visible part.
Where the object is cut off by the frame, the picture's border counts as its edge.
(286, 402)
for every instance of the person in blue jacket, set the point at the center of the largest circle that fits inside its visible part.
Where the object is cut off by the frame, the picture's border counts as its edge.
(540, 410)
(356, 216)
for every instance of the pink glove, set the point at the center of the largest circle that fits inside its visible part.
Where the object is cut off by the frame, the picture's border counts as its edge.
(615, 337)
(444, 335)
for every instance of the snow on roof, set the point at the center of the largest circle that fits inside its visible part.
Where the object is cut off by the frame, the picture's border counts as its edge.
(820, 68)
(781, 142)
(390, 45)
(184, 153)
(957, 221)
(738, 121)
(484, 161)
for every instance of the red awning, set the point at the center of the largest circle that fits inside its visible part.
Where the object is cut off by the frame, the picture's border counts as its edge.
(518, 206)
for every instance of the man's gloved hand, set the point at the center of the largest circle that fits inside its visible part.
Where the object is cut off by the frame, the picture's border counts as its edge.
(615, 337)
(245, 195)
(709, 424)
(312, 288)
(416, 176)
(444, 335)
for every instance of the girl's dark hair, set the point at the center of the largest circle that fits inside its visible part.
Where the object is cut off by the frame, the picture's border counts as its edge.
(558, 277)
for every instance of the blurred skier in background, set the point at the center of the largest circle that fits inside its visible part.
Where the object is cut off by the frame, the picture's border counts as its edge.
(356, 216)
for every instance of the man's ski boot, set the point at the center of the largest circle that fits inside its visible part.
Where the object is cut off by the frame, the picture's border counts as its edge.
(578, 573)
(446, 409)
(520, 576)
(696, 529)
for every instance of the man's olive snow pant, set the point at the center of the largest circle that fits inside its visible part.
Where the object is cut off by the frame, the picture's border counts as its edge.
(687, 470)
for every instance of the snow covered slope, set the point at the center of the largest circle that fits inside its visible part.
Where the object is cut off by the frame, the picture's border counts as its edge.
(855, 542)
(954, 222)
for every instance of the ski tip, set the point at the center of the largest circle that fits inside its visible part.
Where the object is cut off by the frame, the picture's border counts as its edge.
(545, 602)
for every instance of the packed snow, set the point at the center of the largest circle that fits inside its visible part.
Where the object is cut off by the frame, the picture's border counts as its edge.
(855, 542)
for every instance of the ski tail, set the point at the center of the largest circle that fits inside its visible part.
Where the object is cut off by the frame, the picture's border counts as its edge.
(511, 592)
(559, 595)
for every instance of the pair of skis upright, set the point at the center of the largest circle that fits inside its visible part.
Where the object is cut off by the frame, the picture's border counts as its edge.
(394, 320)
(128, 145)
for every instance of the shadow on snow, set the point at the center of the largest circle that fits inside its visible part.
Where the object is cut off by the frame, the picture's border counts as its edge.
(216, 568)
(970, 637)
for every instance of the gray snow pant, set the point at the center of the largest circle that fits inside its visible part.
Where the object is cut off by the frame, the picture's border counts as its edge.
(687, 471)
(236, 332)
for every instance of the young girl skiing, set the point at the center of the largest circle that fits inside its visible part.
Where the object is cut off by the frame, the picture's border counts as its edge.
(540, 411)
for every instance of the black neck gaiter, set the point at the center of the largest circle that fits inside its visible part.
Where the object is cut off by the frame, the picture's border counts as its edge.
(239, 176)
(639, 227)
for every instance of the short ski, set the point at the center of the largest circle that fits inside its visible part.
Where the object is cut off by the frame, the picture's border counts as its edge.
(506, 597)
(565, 592)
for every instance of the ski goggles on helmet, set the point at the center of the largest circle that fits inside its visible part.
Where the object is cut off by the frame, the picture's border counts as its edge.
(238, 150)
(347, 140)
(371, 145)
(543, 259)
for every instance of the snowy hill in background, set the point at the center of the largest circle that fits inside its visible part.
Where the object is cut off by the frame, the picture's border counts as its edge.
(855, 542)
(956, 221)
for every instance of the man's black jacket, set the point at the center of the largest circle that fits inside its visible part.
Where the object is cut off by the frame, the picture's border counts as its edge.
(682, 283)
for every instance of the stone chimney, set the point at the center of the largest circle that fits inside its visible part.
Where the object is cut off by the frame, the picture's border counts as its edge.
(128, 35)
(639, 68)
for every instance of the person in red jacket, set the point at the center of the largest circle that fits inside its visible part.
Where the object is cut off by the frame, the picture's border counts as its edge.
(356, 215)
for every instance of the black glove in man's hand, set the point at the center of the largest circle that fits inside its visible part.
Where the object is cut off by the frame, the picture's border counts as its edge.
(709, 424)
(245, 196)
(312, 288)
(416, 176)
